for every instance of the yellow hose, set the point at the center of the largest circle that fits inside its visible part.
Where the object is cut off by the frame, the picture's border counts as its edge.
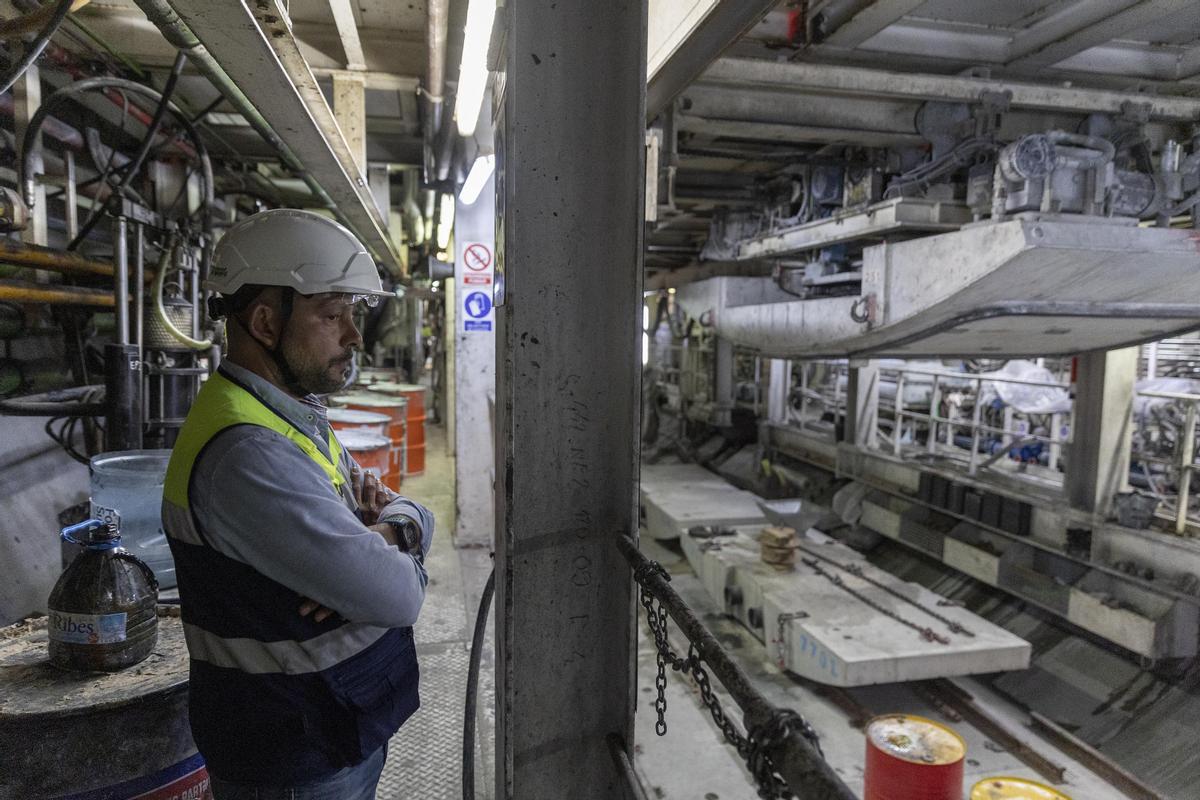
(160, 312)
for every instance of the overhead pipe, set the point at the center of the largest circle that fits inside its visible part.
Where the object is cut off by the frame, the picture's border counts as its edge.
(45, 258)
(439, 20)
(26, 292)
(179, 35)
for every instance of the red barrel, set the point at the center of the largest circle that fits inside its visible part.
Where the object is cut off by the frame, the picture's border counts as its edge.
(348, 419)
(912, 758)
(414, 463)
(396, 408)
(372, 452)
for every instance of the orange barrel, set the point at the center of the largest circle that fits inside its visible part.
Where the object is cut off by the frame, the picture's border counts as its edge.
(347, 419)
(415, 454)
(372, 451)
(912, 758)
(396, 408)
(1006, 788)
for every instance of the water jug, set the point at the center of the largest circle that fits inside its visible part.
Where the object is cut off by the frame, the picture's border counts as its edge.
(103, 614)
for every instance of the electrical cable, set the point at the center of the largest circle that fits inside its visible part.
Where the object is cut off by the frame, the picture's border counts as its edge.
(468, 747)
(35, 48)
(73, 91)
(131, 169)
(80, 401)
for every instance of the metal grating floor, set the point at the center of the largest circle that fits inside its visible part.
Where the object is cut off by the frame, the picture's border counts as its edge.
(425, 756)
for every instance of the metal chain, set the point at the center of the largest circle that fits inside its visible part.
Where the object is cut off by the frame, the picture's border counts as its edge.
(754, 748)
(857, 571)
(928, 634)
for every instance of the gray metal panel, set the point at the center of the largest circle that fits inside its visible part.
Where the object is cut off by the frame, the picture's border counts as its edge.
(569, 179)
(274, 76)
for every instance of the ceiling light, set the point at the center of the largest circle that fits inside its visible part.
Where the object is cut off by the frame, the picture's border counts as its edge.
(477, 178)
(472, 70)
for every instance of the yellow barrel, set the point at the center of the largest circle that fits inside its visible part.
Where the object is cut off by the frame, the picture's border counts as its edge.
(1006, 788)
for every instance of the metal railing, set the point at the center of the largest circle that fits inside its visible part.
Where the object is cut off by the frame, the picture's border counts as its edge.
(1181, 459)
(931, 429)
(1015, 429)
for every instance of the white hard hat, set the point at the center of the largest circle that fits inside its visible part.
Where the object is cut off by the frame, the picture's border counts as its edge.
(298, 249)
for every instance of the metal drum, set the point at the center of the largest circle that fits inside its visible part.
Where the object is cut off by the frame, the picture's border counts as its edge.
(912, 758)
(346, 419)
(415, 454)
(372, 452)
(95, 736)
(394, 407)
(1006, 788)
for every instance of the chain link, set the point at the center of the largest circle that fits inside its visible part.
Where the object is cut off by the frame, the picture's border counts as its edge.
(753, 748)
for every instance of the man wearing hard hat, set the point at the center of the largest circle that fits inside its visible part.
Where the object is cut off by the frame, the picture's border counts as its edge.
(299, 577)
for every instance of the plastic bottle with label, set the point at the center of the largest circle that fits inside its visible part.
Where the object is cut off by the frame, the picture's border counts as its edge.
(103, 609)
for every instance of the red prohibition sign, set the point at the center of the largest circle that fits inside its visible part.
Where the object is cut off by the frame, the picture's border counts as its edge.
(477, 257)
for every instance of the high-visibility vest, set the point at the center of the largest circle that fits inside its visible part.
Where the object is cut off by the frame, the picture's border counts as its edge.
(274, 698)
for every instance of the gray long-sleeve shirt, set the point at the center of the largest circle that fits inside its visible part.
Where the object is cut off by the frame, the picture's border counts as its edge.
(262, 501)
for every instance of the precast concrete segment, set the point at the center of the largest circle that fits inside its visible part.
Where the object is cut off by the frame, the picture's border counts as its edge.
(675, 497)
(569, 178)
(835, 633)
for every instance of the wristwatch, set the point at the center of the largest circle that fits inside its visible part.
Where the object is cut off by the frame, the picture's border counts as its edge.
(408, 535)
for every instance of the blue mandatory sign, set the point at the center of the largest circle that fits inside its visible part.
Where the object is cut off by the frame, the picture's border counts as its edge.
(477, 305)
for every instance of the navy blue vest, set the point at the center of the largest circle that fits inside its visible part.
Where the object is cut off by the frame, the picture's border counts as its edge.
(258, 714)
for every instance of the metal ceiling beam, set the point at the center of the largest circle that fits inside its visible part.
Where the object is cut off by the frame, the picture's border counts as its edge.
(266, 65)
(1106, 28)
(387, 81)
(347, 28)
(870, 21)
(813, 78)
(724, 25)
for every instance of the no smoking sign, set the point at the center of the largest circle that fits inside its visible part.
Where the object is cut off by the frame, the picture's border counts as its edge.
(477, 257)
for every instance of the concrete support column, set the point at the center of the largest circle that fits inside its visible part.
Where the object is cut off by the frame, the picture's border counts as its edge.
(1098, 458)
(27, 96)
(862, 405)
(569, 178)
(381, 190)
(474, 370)
(350, 111)
(722, 382)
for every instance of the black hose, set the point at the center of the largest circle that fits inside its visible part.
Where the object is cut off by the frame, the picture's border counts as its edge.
(134, 165)
(77, 88)
(468, 748)
(60, 403)
(35, 47)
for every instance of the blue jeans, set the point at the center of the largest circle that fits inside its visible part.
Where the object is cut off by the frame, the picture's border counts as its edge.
(352, 783)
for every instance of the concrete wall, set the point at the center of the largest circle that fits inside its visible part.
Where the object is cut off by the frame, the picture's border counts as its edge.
(473, 322)
(37, 480)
